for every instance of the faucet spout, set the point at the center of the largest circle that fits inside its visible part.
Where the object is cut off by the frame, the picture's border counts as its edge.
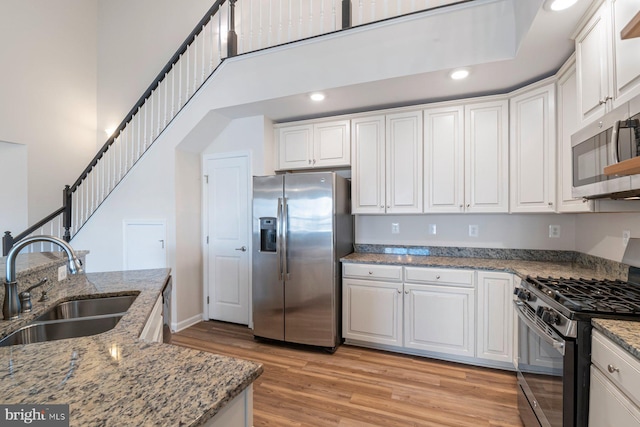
(11, 306)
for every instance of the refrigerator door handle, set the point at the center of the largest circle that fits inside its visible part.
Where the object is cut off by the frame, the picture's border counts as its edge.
(279, 237)
(285, 228)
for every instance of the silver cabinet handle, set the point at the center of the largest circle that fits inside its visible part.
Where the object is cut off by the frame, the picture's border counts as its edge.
(612, 369)
(243, 249)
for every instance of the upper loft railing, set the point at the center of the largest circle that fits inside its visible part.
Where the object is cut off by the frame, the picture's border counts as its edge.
(229, 28)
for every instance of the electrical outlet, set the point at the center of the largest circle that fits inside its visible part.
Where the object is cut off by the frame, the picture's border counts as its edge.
(626, 235)
(473, 231)
(395, 228)
(62, 273)
(432, 229)
(554, 231)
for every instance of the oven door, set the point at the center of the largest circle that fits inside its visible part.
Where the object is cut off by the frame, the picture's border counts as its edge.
(544, 372)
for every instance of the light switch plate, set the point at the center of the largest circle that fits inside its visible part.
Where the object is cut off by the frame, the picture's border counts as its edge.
(432, 229)
(626, 235)
(395, 228)
(554, 231)
(473, 231)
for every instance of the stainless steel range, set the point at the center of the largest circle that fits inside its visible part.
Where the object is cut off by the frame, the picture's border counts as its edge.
(554, 343)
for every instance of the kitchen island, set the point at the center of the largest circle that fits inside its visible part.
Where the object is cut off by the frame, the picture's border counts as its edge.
(115, 378)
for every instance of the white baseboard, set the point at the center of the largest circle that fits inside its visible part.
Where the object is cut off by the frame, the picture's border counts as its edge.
(184, 324)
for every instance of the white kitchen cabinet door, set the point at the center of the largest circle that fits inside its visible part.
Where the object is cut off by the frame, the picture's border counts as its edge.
(608, 406)
(444, 159)
(568, 123)
(372, 311)
(495, 316)
(295, 147)
(626, 61)
(487, 156)
(592, 66)
(331, 144)
(368, 165)
(404, 162)
(533, 150)
(439, 319)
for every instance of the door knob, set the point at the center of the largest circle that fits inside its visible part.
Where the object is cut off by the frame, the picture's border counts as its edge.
(243, 249)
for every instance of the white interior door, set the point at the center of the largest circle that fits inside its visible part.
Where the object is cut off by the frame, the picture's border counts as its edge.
(144, 244)
(229, 225)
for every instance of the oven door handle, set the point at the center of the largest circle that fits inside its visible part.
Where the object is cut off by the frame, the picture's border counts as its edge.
(557, 344)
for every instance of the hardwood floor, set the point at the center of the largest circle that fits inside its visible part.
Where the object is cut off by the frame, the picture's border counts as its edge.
(360, 387)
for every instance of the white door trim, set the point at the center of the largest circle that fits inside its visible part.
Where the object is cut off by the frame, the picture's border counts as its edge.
(205, 228)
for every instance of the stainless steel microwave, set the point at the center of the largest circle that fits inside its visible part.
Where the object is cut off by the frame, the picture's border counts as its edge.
(613, 139)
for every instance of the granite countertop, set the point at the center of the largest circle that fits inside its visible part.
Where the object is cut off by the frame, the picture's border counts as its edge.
(114, 378)
(625, 333)
(520, 267)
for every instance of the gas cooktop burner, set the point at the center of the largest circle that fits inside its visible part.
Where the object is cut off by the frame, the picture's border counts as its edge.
(591, 295)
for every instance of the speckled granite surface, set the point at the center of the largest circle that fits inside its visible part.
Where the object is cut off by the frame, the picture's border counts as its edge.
(520, 267)
(115, 379)
(623, 332)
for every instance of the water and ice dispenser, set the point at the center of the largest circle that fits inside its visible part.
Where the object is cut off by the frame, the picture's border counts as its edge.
(268, 234)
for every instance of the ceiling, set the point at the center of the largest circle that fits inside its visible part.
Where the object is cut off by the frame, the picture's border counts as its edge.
(542, 46)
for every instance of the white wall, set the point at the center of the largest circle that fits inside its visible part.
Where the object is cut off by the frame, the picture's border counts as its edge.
(136, 38)
(48, 92)
(13, 197)
(522, 231)
(601, 234)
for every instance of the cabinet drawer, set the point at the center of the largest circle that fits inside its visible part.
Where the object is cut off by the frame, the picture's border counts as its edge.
(439, 276)
(606, 354)
(373, 271)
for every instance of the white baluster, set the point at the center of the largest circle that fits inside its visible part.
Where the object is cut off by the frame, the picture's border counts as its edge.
(144, 127)
(299, 19)
(135, 147)
(280, 15)
(173, 91)
(166, 99)
(195, 63)
(290, 25)
(204, 49)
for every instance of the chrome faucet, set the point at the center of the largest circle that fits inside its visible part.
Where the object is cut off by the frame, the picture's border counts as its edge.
(11, 306)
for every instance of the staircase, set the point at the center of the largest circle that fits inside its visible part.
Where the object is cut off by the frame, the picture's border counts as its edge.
(229, 28)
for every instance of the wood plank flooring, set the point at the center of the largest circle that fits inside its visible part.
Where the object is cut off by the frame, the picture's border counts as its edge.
(360, 387)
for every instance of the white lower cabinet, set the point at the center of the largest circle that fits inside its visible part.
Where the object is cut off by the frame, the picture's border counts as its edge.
(372, 303)
(495, 316)
(439, 312)
(237, 413)
(439, 319)
(614, 393)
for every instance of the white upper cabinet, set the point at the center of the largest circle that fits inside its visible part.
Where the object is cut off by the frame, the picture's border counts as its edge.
(567, 124)
(487, 156)
(626, 53)
(404, 162)
(608, 68)
(315, 145)
(593, 67)
(295, 147)
(444, 159)
(533, 150)
(386, 165)
(368, 165)
(466, 158)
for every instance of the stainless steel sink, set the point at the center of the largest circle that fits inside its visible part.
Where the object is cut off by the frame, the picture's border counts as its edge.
(88, 307)
(61, 329)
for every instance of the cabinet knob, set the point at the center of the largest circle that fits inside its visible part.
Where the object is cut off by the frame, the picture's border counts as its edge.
(399, 291)
(612, 369)
(371, 272)
(381, 206)
(461, 206)
(600, 122)
(550, 203)
(468, 205)
(406, 292)
(314, 161)
(309, 161)
(437, 277)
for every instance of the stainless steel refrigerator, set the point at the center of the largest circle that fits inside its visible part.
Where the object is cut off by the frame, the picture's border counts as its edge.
(302, 225)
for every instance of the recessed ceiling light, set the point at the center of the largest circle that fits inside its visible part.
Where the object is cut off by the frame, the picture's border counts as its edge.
(557, 5)
(459, 74)
(317, 96)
